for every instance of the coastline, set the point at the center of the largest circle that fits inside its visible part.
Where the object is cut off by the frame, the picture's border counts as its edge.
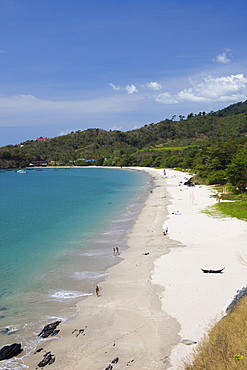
(158, 295)
(126, 320)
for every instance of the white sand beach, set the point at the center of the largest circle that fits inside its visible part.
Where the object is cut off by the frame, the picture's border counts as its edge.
(196, 299)
(158, 295)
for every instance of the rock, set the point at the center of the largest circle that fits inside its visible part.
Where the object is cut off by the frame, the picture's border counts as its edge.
(240, 294)
(10, 351)
(115, 360)
(38, 350)
(49, 330)
(109, 367)
(47, 360)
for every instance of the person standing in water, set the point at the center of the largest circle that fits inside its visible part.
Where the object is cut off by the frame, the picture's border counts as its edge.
(97, 290)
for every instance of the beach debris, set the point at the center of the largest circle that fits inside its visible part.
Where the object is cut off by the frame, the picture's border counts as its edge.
(47, 360)
(115, 360)
(10, 351)
(188, 342)
(240, 294)
(49, 329)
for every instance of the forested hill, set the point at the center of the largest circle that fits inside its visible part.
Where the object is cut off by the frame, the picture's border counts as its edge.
(177, 142)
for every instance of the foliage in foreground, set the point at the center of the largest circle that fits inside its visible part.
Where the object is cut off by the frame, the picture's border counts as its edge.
(225, 347)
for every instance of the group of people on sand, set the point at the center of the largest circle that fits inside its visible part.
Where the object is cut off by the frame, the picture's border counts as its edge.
(115, 252)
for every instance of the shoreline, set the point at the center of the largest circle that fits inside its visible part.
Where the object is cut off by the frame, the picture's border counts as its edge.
(158, 296)
(126, 320)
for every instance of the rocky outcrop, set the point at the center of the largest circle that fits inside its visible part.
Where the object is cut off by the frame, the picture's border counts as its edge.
(240, 294)
(50, 330)
(47, 360)
(10, 351)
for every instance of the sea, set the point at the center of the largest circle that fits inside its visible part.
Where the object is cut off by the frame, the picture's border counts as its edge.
(58, 229)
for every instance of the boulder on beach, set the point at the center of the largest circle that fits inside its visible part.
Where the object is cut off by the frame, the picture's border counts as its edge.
(10, 351)
(47, 360)
(49, 329)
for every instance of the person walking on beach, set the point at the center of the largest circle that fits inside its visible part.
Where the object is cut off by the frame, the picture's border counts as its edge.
(117, 250)
(114, 251)
(97, 290)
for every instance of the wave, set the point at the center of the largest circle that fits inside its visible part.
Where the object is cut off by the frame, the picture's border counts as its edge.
(65, 295)
(90, 275)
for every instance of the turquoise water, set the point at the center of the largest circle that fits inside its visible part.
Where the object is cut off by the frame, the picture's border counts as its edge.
(58, 228)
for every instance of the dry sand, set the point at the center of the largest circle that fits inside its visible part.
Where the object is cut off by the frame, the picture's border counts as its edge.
(196, 299)
(154, 299)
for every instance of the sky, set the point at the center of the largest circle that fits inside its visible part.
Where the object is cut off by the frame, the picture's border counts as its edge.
(68, 65)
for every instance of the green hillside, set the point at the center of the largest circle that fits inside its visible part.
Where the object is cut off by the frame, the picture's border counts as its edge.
(206, 143)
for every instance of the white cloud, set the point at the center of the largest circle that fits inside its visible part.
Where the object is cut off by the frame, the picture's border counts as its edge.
(131, 89)
(223, 58)
(114, 87)
(154, 85)
(211, 89)
(166, 98)
(28, 110)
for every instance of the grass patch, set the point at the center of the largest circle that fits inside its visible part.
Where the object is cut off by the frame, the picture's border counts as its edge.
(175, 148)
(233, 205)
(225, 347)
(236, 209)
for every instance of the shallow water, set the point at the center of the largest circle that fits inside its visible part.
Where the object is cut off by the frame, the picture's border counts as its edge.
(58, 229)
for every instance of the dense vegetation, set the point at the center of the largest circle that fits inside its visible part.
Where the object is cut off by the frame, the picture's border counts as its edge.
(213, 145)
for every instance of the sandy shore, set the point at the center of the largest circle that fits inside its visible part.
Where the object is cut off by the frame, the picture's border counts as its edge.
(157, 296)
(126, 320)
(196, 299)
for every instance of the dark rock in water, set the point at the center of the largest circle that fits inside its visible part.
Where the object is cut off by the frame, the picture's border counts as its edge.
(240, 294)
(10, 351)
(49, 330)
(47, 360)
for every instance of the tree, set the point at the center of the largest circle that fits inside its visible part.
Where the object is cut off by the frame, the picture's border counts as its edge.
(236, 171)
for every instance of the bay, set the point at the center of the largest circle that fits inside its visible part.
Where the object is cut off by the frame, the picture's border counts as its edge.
(58, 228)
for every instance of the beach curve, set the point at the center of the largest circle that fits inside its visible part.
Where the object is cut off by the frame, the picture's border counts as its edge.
(126, 322)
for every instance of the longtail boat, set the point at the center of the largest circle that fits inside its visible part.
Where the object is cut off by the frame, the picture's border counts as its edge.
(212, 271)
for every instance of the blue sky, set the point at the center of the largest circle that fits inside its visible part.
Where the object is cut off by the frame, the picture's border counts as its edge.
(68, 65)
